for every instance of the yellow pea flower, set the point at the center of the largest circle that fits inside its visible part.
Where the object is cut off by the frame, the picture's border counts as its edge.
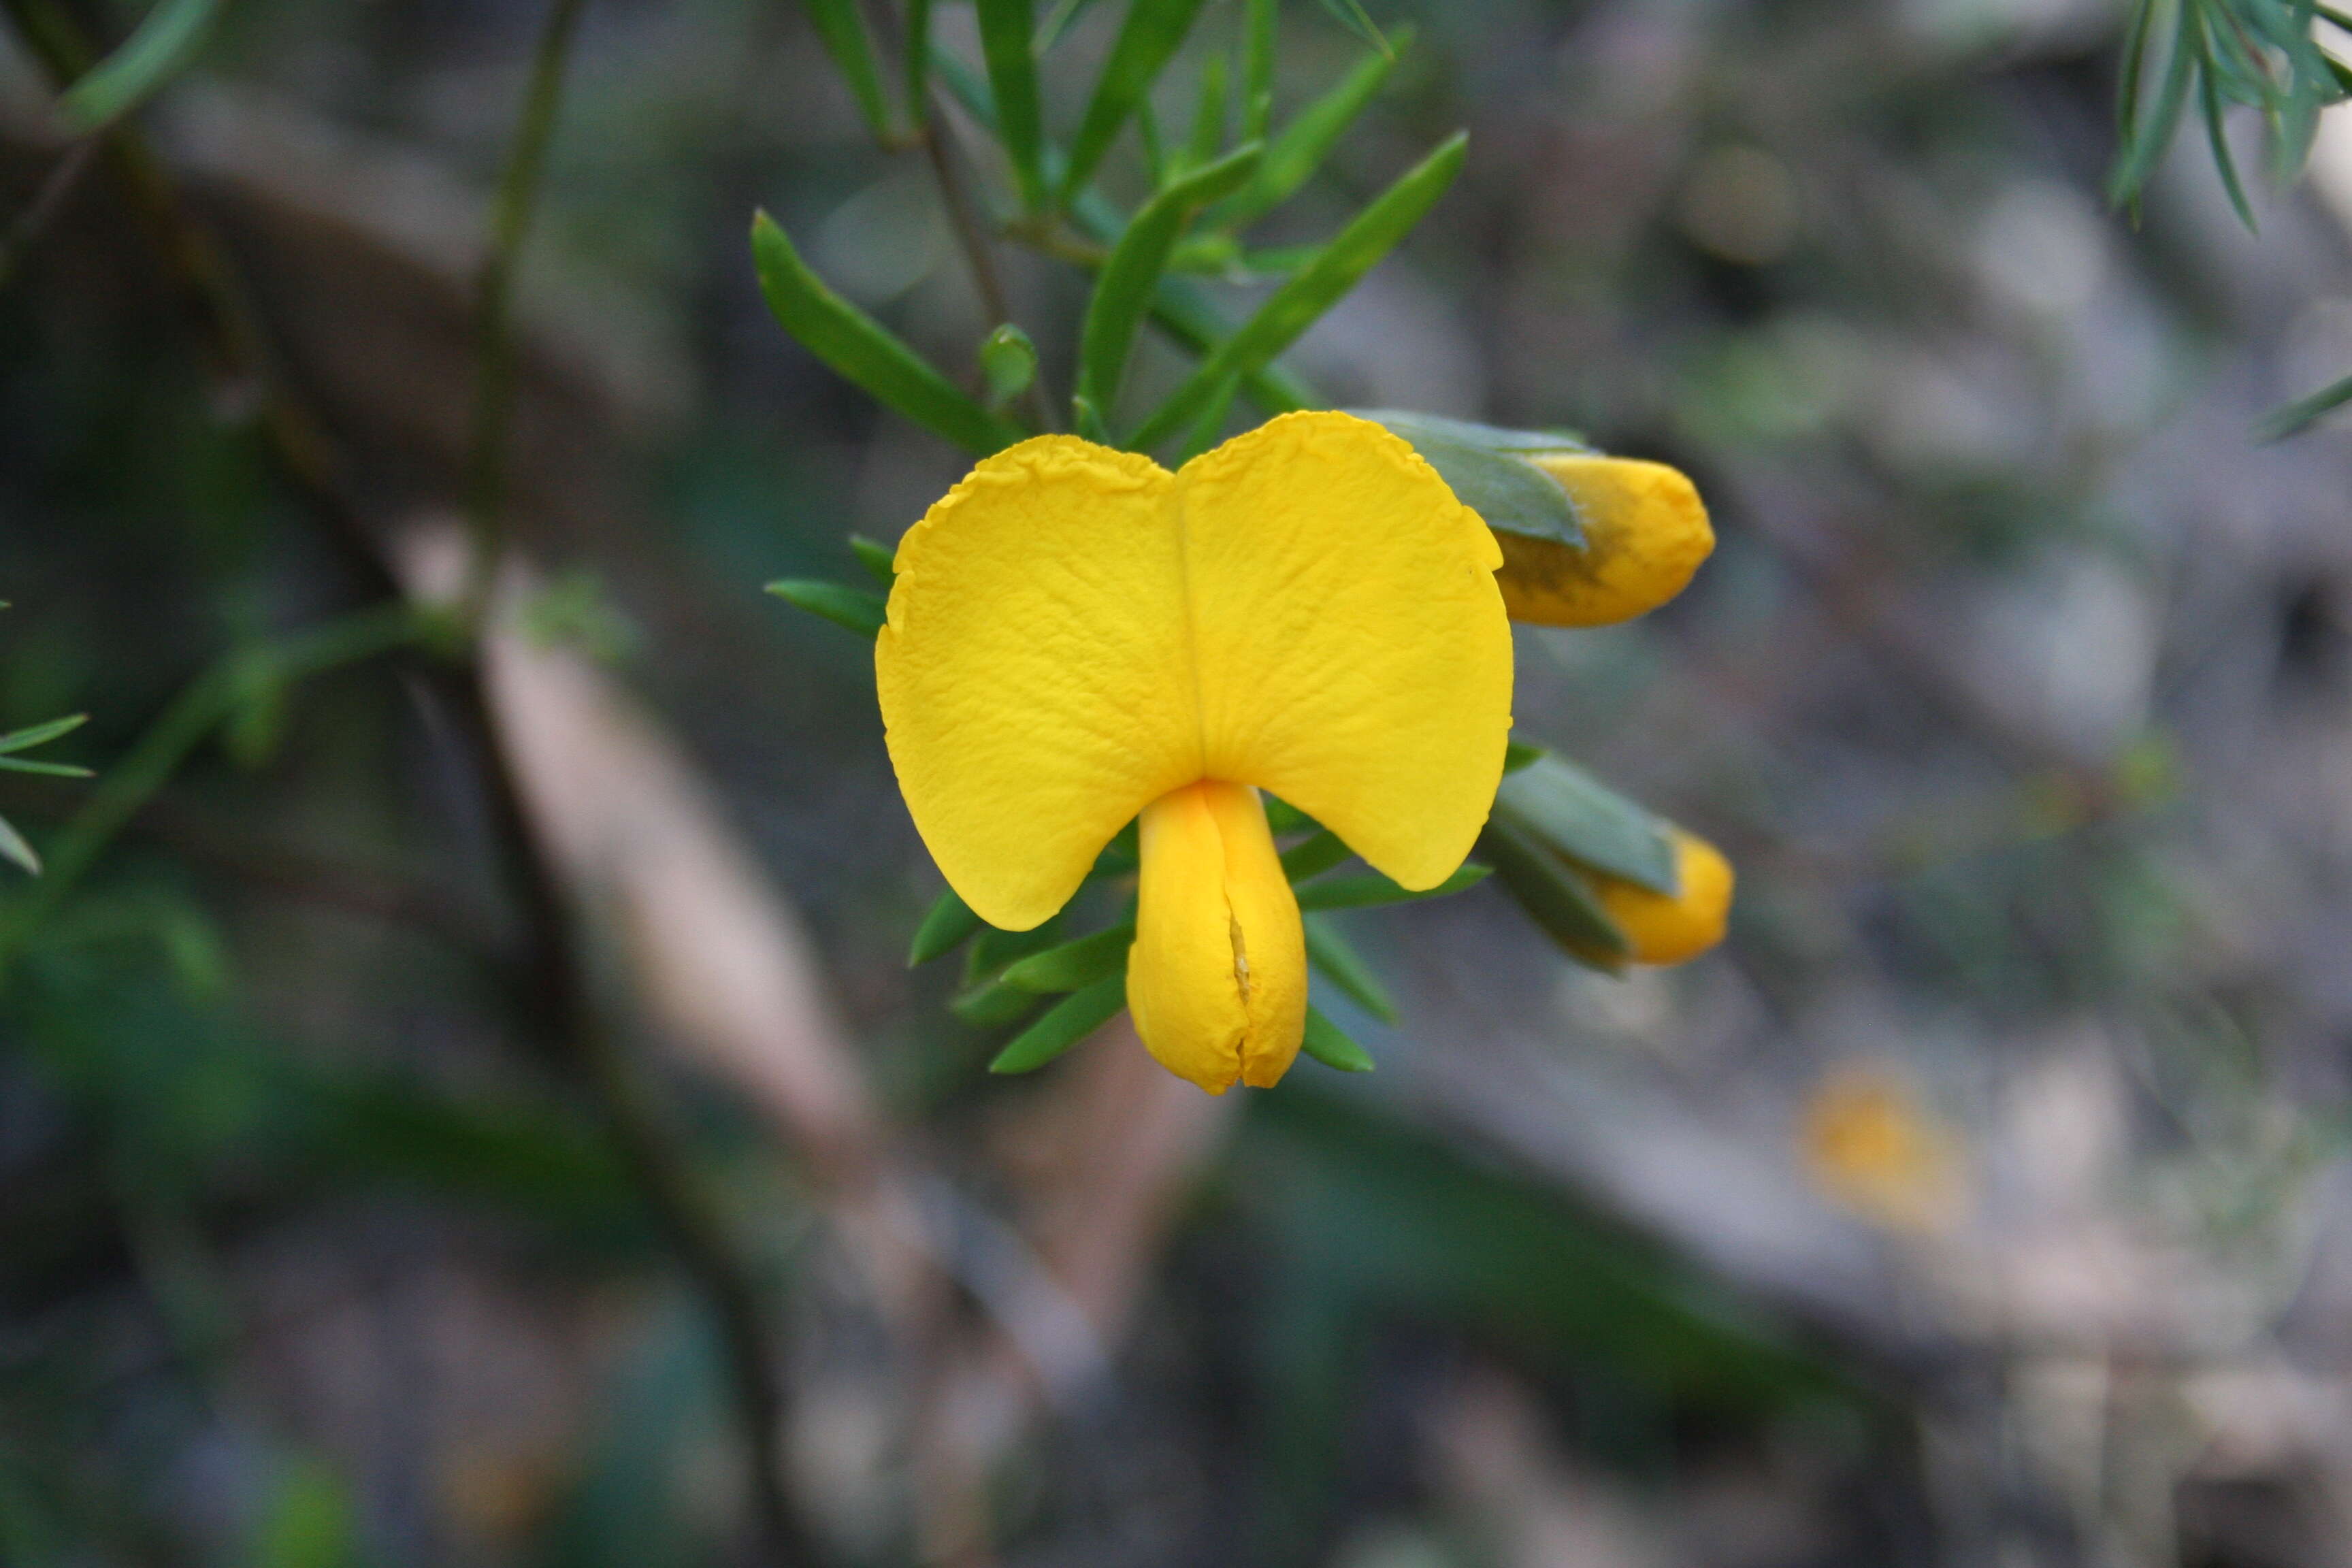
(1077, 637)
(1645, 531)
(1660, 929)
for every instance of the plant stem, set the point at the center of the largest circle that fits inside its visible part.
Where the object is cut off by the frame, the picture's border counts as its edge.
(511, 211)
(199, 706)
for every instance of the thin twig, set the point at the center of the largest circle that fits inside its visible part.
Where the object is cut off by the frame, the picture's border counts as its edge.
(34, 221)
(946, 155)
(512, 209)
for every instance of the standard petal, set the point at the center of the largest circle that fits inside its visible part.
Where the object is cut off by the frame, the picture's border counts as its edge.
(1217, 977)
(1353, 654)
(1035, 680)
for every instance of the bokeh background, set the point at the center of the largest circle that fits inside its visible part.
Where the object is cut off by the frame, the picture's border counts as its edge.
(1984, 1200)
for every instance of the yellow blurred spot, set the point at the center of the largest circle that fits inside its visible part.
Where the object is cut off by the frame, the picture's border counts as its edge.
(1645, 533)
(1869, 1144)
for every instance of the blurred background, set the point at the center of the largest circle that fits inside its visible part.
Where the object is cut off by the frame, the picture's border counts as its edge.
(445, 1107)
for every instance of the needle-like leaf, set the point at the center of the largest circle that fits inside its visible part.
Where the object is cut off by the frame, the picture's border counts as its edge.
(1315, 288)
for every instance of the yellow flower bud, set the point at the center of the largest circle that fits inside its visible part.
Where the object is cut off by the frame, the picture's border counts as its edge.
(1663, 929)
(1645, 533)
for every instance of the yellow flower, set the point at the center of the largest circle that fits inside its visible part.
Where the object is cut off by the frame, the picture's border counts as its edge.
(1077, 637)
(1673, 930)
(1645, 531)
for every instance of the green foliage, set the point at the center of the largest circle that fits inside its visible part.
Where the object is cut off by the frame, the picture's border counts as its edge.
(1482, 466)
(1299, 149)
(1067, 1023)
(2305, 412)
(1130, 281)
(1339, 962)
(1576, 816)
(1005, 32)
(1553, 893)
(864, 351)
(1327, 1043)
(165, 44)
(2256, 54)
(948, 926)
(1147, 39)
(843, 33)
(1300, 302)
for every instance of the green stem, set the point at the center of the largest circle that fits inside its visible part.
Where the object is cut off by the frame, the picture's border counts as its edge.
(512, 209)
(196, 712)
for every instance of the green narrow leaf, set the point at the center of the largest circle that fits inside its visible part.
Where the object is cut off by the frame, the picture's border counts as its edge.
(33, 735)
(51, 770)
(1208, 115)
(1373, 889)
(845, 39)
(1337, 957)
(1328, 1044)
(1068, 1021)
(1005, 29)
(864, 351)
(13, 846)
(2217, 141)
(2135, 57)
(2144, 143)
(1297, 304)
(1554, 895)
(949, 925)
(1258, 68)
(1350, 16)
(2300, 415)
(1519, 753)
(1074, 965)
(918, 61)
(1493, 480)
(1057, 22)
(165, 44)
(1313, 857)
(1183, 312)
(1125, 288)
(1147, 39)
(1567, 808)
(1300, 147)
(878, 559)
(991, 1004)
(852, 608)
